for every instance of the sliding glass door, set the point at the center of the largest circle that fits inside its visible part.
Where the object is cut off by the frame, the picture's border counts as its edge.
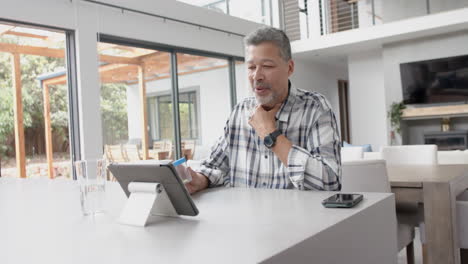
(34, 94)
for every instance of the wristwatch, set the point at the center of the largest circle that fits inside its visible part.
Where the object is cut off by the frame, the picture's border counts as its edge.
(270, 139)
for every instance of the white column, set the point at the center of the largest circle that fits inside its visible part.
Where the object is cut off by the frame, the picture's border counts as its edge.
(87, 18)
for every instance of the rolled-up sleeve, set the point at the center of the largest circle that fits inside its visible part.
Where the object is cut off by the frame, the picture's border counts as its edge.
(318, 168)
(216, 166)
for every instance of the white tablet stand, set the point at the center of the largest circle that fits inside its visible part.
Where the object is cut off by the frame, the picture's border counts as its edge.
(146, 199)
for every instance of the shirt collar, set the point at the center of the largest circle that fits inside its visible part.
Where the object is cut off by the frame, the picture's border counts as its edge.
(285, 110)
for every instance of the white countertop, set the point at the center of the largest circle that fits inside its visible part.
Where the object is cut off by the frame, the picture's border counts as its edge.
(41, 222)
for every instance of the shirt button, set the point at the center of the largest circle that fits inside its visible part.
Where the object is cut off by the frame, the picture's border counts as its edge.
(266, 156)
(264, 184)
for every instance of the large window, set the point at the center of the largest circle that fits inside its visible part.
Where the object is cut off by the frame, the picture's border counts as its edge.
(34, 117)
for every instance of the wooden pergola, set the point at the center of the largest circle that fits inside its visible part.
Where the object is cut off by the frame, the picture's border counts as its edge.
(125, 64)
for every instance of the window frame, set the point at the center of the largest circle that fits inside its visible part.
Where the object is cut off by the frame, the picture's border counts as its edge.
(195, 90)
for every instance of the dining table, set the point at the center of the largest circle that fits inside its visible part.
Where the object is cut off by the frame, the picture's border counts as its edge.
(435, 189)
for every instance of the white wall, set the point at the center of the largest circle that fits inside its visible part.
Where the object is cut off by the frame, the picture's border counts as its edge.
(321, 78)
(367, 99)
(134, 113)
(87, 19)
(242, 83)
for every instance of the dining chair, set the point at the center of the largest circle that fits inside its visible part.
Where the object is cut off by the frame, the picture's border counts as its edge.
(410, 154)
(372, 155)
(371, 176)
(462, 225)
(452, 157)
(351, 153)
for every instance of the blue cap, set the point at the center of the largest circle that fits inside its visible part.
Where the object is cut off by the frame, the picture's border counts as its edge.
(179, 161)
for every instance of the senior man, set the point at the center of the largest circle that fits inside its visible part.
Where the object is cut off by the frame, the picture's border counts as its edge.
(282, 138)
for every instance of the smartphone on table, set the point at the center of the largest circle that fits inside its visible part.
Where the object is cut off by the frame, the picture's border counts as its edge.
(342, 200)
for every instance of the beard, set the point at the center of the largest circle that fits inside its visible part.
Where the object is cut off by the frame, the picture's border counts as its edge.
(267, 100)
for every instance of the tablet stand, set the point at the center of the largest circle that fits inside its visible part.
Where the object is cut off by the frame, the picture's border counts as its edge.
(146, 199)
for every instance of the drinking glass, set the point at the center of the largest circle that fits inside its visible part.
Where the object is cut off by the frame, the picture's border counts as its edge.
(91, 177)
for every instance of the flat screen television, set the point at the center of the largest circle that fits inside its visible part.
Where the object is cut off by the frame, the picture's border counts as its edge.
(438, 81)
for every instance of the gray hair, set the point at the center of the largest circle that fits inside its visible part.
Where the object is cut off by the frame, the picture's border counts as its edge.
(272, 35)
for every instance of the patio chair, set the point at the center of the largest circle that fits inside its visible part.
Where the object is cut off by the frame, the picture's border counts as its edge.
(161, 150)
(371, 176)
(114, 153)
(131, 152)
(188, 149)
(159, 145)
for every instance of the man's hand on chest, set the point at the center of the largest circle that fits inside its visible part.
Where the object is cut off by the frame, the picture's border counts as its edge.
(263, 121)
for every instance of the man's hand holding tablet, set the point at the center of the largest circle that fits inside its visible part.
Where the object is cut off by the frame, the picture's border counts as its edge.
(199, 182)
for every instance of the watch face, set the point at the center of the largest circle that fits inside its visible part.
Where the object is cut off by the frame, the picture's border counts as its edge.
(268, 141)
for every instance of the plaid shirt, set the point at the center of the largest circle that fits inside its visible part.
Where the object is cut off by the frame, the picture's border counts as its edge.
(240, 159)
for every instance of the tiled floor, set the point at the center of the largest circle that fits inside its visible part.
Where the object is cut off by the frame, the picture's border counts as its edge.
(417, 251)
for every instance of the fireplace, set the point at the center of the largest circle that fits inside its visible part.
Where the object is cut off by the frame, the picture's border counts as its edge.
(447, 140)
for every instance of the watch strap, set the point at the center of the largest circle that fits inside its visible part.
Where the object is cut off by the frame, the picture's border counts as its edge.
(275, 134)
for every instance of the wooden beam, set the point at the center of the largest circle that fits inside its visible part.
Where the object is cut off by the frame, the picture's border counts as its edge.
(27, 35)
(59, 53)
(154, 55)
(142, 86)
(62, 79)
(55, 37)
(181, 73)
(18, 115)
(48, 131)
(119, 60)
(31, 50)
(5, 28)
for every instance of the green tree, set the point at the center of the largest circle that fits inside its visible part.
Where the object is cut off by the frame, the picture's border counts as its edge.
(32, 96)
(114, 112)
(6, 104)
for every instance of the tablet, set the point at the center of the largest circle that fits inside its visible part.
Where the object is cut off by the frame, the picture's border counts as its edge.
(164, 173)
